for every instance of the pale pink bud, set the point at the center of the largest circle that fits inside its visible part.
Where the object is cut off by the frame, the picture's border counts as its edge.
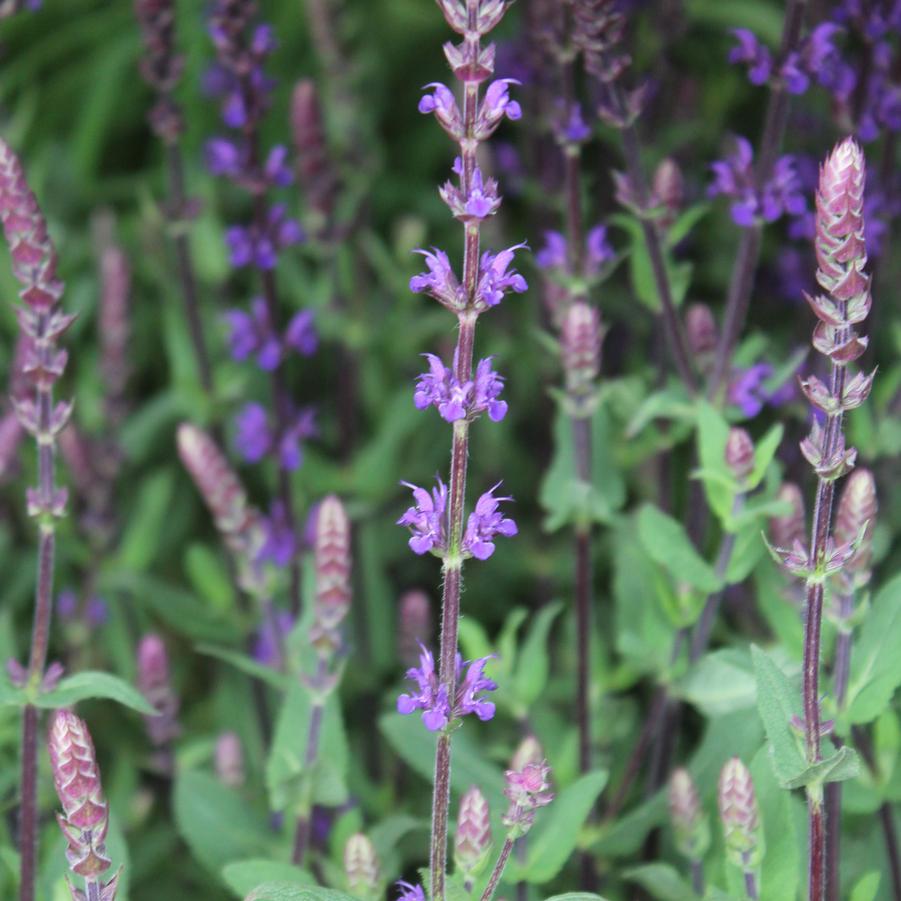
(740, 453)
(230, 760)
(701, 330)
(529, 751)
(857, 507)
(791, 527)
(155, 684)
(114, 328)
(668, 189)
(689, 822)
(315, 173)
(473, 838)
(580, 346)
(740, 816)
(361, 865)
(333, 568)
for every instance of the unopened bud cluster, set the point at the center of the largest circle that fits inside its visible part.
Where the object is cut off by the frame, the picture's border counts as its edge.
(361, 866)
(473, 839)
(855, 520)
(580, 345)
(333, 569)
(740, 816)
(690, 824)
(155, 684)
(85, 818)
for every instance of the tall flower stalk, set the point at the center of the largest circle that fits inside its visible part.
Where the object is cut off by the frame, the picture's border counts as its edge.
(461, 394)
(841, 257)
(42, 321)
(239, 80)
(161, 68)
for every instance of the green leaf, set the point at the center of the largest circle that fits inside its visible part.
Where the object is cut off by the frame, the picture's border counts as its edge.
(147, 520)
(286, 770)
(867, 887)
(746, 554)
(218, 825)
(841, 766)
(209, 576)
(565, 497)
(667, 543)
(244, 876)
(686, 222)
(10, 695)
(556, 832)
(719, 483)
(720, 682)
(246, 665)
(91, 684)
(416, 745)
(662, 881)
(285, 891)
(764, 452)
(875, 661)
(575, 896)
(777, 701)
(533, 660)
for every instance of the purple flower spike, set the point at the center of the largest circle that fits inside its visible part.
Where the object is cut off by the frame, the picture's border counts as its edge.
(431, 696)
(252, 334)
(496, 278)
(427, 519)
(253, 438)
(440, 388)
(484, 523)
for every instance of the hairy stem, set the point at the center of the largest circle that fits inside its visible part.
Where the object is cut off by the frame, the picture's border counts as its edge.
(498, 870)
(741, 282)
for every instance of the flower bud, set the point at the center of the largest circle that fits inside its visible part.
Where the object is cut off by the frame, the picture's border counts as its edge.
(701, 330)
(791, 527)
(580, 346)
(740, 453)
(473, 839)
(332, 563)
(156, 686)
(85, 818)
(739, 816)
(690, 825)
(114, 329)
(414, 625)
(230, 760)
(314, 170)
(361, 865)
(529, 751)
(668, 189)
(857, 507)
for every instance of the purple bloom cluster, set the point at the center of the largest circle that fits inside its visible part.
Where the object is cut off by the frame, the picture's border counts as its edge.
(496, 278)
(253, 334)
(431, 696)
(279, 545)
(816, 58)
(439, 387)
(410, 892)
(749, 389)
(260, 245)
(267, 647)
(734, 178)
(554, 255)
(256, 438)
(427, 522)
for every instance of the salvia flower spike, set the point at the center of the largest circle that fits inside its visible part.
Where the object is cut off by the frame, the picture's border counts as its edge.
(740, 818)
(85, 818)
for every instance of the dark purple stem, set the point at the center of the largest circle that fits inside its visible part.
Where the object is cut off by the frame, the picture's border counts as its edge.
(751, 885)
(741, 282)
(177, 210)
(697, 877)
(302, 832)
(498, 870)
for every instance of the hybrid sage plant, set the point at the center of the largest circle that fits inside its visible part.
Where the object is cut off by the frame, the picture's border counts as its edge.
(844, 304)
(42, 323)
(461, 395)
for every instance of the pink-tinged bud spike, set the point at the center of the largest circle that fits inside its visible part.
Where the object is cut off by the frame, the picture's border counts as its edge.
(230, 760)
(361, 865)
(114, 327)
(840, 246)
(473, 839)
(155, 684)
(33, 255)
(701, 330)
(414, 625)
(315, 174)
(580, 345)
(85, 816)
(740, 453)
(690, 825)
(333, 592)
(740, 816)
(857, 508)
(791, 527)
(215, 480)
